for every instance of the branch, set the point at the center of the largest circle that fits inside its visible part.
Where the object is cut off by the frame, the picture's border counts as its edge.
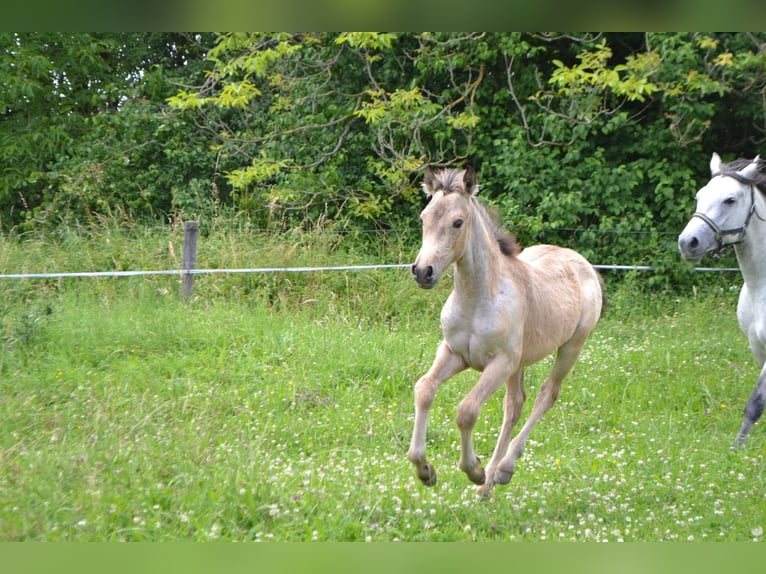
(522, 112)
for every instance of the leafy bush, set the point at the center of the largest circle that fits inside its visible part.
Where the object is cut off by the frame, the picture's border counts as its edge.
(596, 141)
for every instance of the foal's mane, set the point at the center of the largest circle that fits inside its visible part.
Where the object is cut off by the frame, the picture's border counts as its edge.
(453, 181)
(758, 179)
(506, 240)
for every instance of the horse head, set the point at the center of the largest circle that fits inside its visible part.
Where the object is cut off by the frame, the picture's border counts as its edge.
(446, 222)
(725, 206)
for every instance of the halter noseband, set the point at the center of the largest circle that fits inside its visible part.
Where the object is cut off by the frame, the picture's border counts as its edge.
(719, 233)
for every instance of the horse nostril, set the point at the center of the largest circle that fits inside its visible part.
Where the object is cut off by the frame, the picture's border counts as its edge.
(423, 275)
(694, 242)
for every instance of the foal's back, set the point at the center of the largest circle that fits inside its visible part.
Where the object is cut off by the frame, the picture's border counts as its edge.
(564, 295)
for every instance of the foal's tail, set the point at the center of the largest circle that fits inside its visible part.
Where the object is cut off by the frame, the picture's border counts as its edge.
(603, 292)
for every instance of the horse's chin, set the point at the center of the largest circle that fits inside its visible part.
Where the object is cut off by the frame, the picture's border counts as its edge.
(692, 257)
(427, 284)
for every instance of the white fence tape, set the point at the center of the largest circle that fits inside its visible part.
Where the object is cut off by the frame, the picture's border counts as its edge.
(182, 272)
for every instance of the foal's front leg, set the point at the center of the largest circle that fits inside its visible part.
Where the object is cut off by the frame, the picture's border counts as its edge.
(445, 365)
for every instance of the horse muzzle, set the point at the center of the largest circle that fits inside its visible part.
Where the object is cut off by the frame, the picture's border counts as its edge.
(425, 276)
(697, 238)
(691, 248)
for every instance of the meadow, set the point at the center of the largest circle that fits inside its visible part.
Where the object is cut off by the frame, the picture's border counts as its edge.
(279, 407)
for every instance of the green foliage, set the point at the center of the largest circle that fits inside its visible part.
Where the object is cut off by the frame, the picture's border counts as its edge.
(610, 151)
(596, 141)
(332, 122)
(85, 132)
(593, 74)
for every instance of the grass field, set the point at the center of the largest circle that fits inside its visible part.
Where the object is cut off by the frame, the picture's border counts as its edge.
(280, 407)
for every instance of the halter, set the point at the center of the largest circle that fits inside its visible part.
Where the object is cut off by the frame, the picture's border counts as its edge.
(720, 234)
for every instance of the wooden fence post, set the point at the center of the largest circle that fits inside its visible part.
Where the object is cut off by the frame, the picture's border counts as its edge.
(189, 260)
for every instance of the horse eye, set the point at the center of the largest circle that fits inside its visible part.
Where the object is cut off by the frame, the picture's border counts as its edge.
(458, 223)
(730, 200)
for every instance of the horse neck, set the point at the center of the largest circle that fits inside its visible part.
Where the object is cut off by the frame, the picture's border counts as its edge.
(750, 253)
(477, 270)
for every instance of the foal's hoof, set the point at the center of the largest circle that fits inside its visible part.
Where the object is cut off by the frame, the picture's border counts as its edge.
(427, 474)
(475, 473)
(478, 478)
(503, 477)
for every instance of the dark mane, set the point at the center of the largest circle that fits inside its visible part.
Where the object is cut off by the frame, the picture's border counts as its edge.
(731, 169)
(509, 246)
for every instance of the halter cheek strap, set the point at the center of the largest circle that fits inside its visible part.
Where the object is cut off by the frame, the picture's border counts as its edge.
(719, 233)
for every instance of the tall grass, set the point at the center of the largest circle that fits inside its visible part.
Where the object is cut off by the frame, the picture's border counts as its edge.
(279, 407)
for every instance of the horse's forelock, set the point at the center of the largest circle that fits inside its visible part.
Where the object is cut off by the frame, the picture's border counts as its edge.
(733, 168)
(449, 181)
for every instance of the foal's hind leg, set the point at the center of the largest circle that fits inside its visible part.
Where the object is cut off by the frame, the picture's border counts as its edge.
(549, 392)
(512, 405)
(753, 409)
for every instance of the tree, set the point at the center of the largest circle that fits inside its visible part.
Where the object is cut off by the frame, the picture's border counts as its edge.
(597, 141)
(333, 124)
(83, 124)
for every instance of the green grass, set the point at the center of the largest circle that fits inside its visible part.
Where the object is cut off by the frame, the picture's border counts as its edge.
(280, 408)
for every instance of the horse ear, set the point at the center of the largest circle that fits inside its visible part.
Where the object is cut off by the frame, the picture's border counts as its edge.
(751, 169)
(428, 181)
(469, 181)
(715, 164)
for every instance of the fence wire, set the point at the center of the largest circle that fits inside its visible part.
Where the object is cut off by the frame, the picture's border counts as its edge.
(184, 272)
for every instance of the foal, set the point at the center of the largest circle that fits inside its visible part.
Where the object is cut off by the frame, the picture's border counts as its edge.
(509, 309)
